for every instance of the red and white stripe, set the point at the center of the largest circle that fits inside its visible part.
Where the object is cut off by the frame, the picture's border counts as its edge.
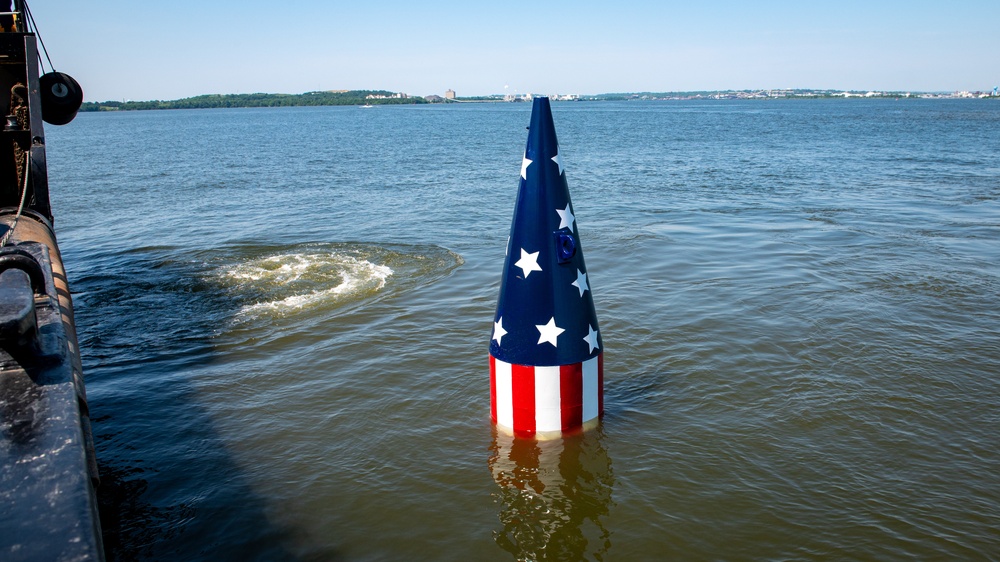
(529, 399)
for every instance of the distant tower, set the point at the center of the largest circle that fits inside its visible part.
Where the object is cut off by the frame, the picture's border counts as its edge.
(449, 95)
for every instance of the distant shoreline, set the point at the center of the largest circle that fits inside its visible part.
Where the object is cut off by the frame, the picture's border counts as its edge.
(384, 97)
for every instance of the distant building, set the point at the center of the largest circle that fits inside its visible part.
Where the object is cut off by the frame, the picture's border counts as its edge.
(397, 95)
(449, 94)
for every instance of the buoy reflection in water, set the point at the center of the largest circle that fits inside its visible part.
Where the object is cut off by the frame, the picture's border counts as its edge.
(553, 495)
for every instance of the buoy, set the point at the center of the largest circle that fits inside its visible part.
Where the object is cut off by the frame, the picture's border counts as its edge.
(546, 353)
(62, 97)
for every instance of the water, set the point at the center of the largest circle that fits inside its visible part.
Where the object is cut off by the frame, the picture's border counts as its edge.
(285, 316)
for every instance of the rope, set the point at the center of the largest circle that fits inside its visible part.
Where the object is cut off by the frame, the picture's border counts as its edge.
(20, 208)
(30, 19)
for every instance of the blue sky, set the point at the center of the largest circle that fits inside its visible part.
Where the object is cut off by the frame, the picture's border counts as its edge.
(166, 50)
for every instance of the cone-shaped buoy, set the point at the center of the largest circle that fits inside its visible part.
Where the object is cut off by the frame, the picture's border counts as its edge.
(546, 355)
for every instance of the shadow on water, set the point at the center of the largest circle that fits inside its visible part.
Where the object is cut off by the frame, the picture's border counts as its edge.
(554, 496)
(172, 341)
(631, 400)
(169, 490)
(130, 525)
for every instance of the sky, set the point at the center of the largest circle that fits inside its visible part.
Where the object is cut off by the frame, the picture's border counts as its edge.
(140, 50)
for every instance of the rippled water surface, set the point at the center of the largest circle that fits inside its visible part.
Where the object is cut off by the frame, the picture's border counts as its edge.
(285, 316)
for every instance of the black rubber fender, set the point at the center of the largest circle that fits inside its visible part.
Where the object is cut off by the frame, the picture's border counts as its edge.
(62, 97)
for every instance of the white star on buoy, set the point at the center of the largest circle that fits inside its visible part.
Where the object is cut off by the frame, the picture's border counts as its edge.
(566, 217)
(498, 331)
(528, 262)
(591, 338)
(549, 332)
(558, 162)
(524, 166)
(581, 282)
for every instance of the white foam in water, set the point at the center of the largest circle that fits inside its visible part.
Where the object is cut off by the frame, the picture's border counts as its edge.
(291, 282)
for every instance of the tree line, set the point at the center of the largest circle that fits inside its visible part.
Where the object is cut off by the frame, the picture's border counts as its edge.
(210, 101)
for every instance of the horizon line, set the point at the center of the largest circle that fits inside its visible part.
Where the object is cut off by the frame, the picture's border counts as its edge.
(826, 91)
